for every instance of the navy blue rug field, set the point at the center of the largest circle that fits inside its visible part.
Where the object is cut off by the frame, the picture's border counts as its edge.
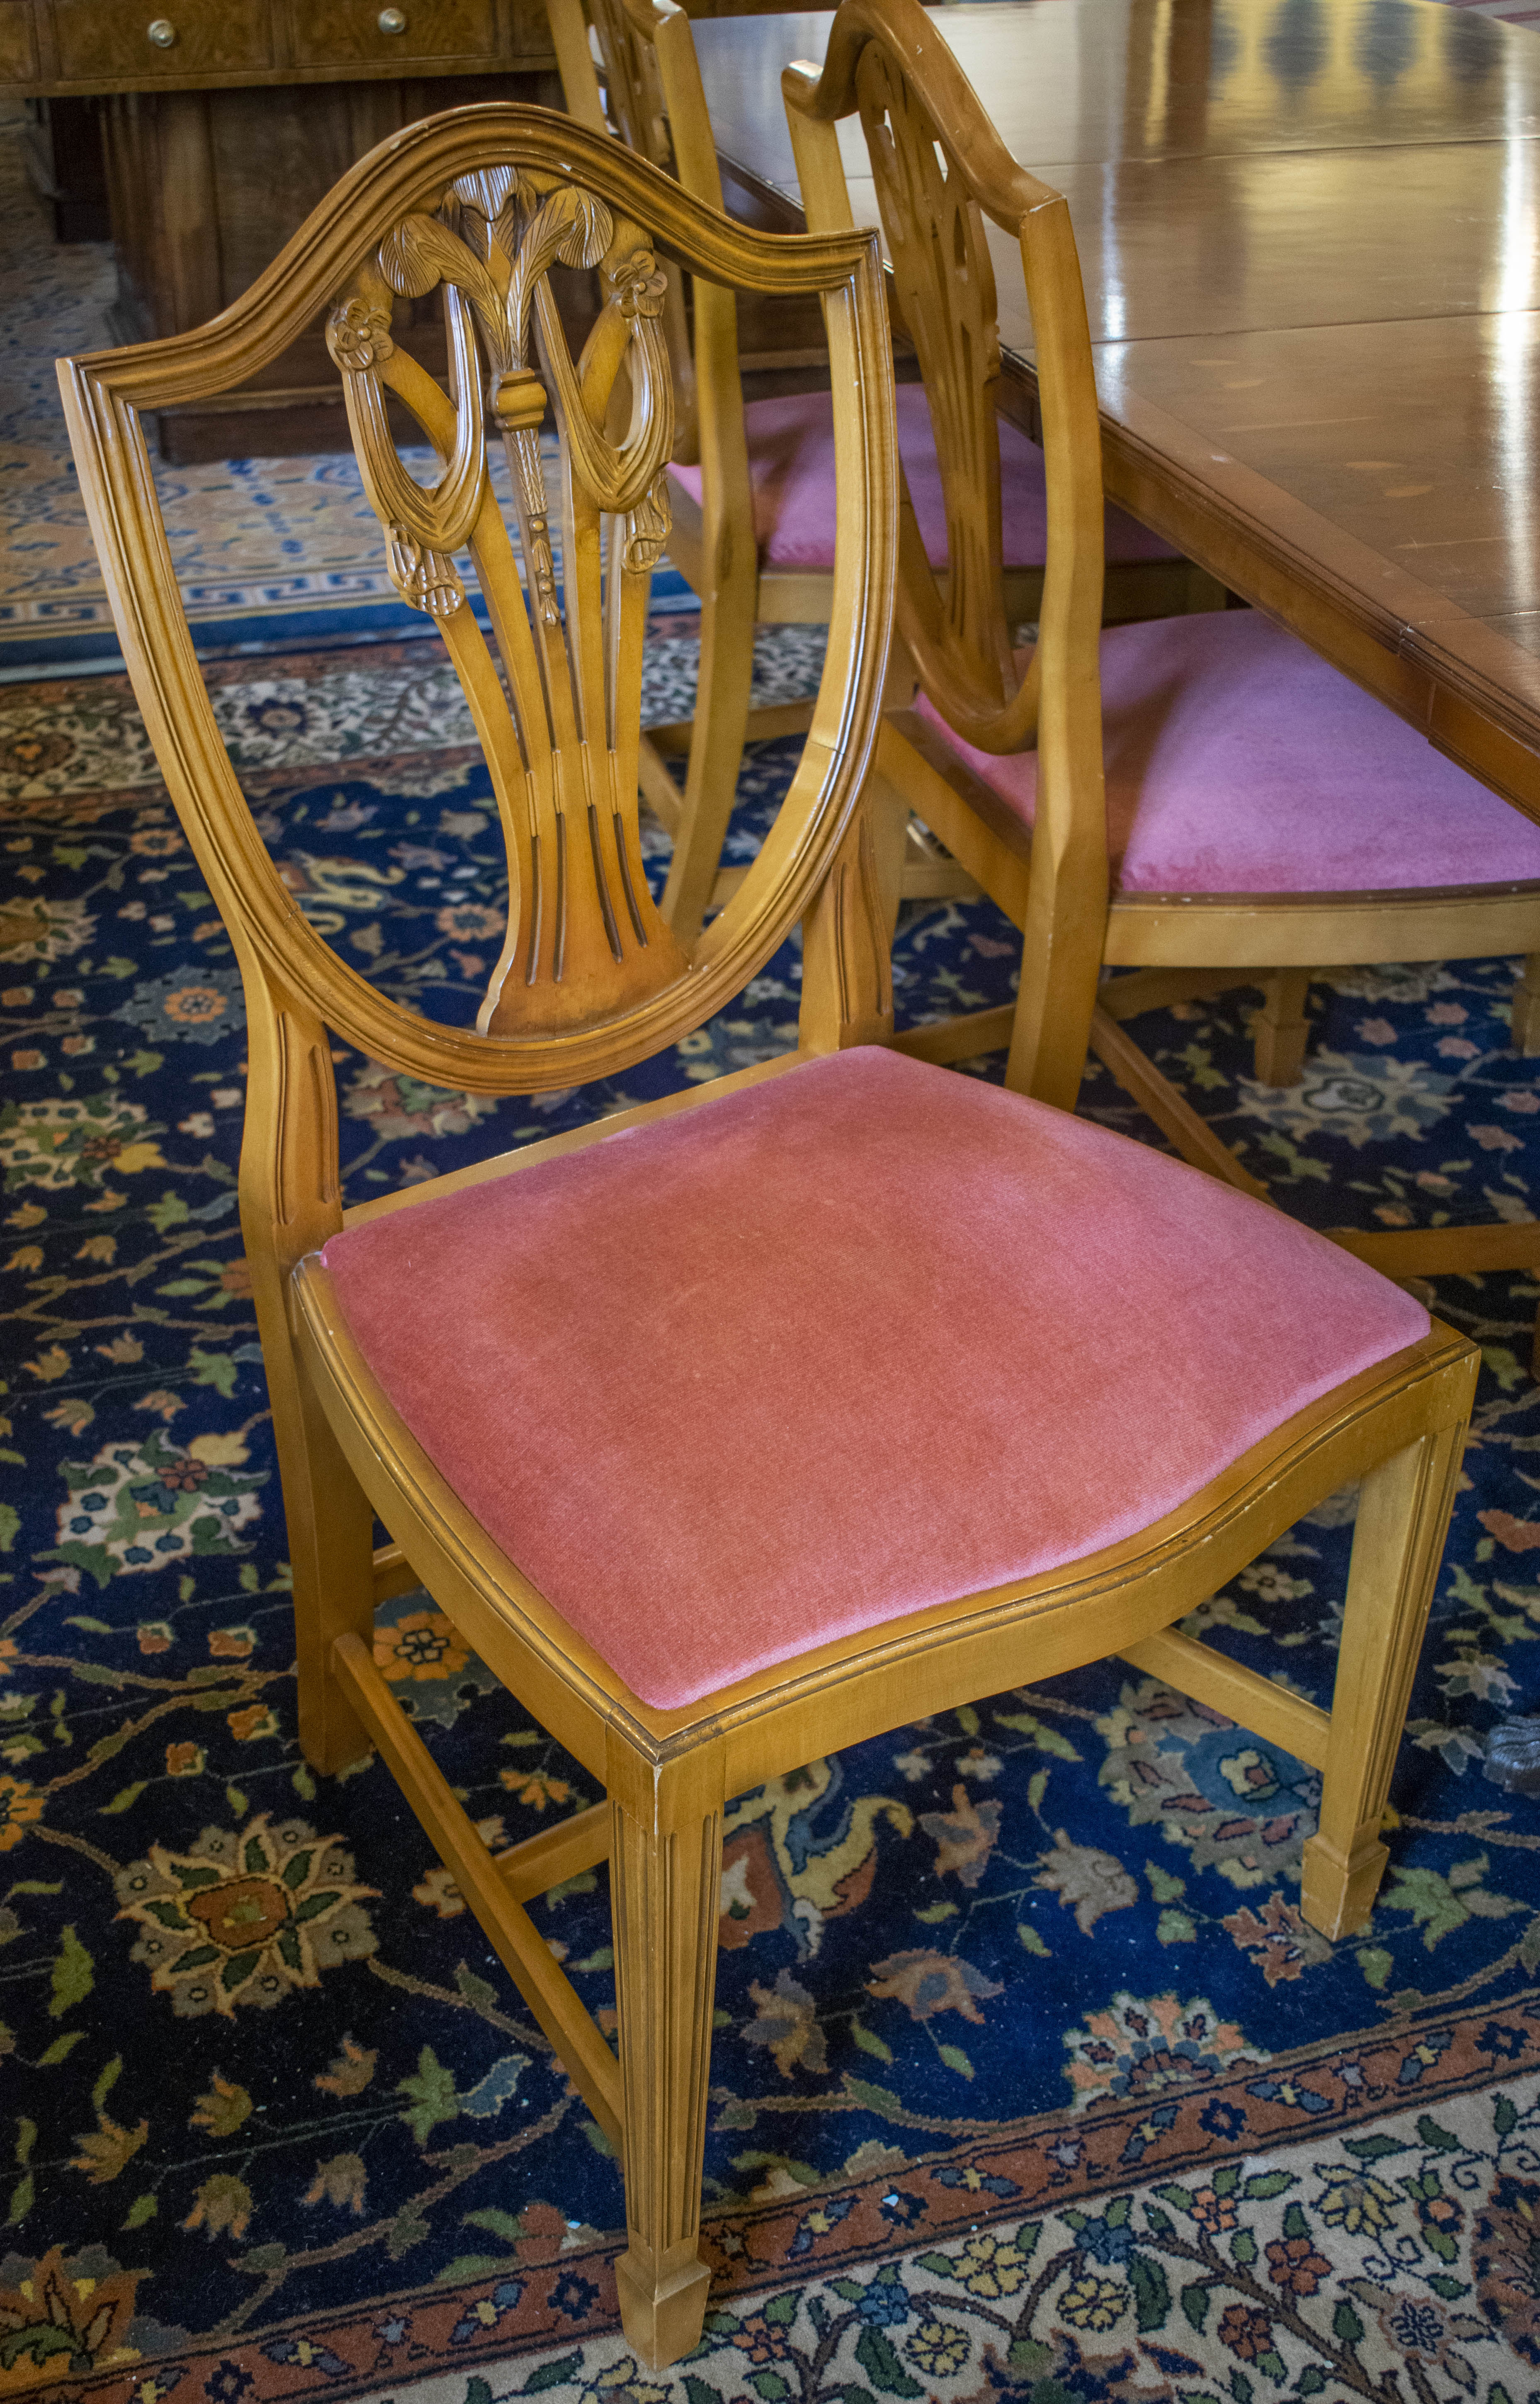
(270, 2098)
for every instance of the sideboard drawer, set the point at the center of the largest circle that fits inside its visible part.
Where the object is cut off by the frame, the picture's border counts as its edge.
(18, 50)
(334, 32)
(112, 37)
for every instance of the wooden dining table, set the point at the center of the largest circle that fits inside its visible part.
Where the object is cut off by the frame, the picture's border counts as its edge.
(1311, 237)
(1310, 231)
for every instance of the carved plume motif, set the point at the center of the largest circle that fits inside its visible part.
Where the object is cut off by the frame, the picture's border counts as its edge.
(567, 609)
(424, 578)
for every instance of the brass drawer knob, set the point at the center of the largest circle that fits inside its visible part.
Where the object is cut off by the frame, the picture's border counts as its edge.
(392, 20)
(163, 32)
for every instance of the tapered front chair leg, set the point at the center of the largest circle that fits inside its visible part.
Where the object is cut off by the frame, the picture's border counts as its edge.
(665, 1895)
(1403, 1516)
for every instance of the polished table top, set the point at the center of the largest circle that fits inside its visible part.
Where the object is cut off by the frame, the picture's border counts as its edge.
(1310, 238)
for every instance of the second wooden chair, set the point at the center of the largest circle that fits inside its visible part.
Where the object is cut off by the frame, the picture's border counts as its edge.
(1258, 815)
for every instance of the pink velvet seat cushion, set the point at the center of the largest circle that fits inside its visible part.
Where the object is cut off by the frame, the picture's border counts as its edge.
(867, 1337)
(791, 467)
(1237, 761)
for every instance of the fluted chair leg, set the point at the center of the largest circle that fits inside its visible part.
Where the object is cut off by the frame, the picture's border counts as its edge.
(665, 1895)
(1403, 1516)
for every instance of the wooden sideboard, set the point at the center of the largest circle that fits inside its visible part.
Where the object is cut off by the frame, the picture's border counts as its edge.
(223, 123)
(57, 46)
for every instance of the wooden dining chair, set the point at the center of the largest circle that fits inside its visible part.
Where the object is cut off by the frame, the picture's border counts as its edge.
(754, 483)
(748, 1423)
(1199, 799)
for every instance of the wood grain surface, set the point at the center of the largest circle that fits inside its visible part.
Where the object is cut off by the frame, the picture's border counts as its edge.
(1309, 252)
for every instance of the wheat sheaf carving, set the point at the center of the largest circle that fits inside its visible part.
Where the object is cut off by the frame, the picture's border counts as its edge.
(558, 707)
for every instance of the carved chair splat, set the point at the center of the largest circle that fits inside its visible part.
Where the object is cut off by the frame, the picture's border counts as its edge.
(483, 203)
(583, 936)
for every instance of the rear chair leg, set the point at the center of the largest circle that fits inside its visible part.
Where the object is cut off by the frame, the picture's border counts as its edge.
(1526, 1007)
(889, 819)
(665, 1895)
(1281, 1031)
(1202, 593)
(1403, 1516)
(331, 1546)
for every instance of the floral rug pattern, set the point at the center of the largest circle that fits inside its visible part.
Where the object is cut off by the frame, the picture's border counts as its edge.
(1398, 2262)
(269, 2097)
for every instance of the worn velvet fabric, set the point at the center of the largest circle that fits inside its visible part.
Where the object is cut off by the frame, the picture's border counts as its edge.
(1239, 762)
(791, 467)
(831, 1348)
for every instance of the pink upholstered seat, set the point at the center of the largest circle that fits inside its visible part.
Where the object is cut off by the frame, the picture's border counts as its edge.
(1239, 762)
(865, 1337)
(791, 467)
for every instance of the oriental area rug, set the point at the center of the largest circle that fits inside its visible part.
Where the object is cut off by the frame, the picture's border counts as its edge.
(1028, 2078)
